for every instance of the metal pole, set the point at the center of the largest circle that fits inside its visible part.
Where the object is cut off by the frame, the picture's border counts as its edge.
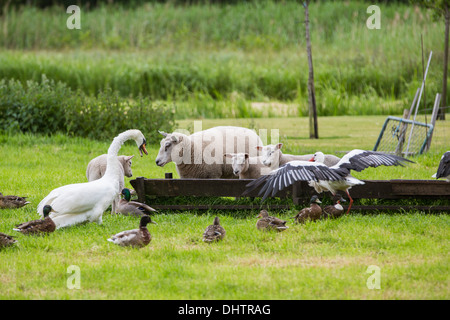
(418, 102)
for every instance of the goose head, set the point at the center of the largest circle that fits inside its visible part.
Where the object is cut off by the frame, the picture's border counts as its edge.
(318, 157)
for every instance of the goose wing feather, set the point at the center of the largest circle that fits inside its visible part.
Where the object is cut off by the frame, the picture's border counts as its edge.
(359, 160)
(292, 172)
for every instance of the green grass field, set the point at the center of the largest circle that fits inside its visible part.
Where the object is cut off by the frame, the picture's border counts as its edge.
(321, 260)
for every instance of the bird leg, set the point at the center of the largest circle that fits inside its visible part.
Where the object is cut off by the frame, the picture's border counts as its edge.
(351, 201)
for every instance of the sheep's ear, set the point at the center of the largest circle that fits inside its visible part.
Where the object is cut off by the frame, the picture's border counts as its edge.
(129, 158)
(279, 145)
(163, 133)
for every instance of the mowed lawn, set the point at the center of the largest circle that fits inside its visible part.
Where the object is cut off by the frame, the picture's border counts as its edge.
(320, 260)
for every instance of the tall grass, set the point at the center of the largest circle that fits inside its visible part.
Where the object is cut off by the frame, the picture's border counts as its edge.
(203, 56)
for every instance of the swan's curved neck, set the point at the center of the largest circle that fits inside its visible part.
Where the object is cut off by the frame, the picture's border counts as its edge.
(112, 162)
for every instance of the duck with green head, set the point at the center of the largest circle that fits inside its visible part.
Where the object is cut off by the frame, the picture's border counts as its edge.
(136, 238)
(46, 225)
(313, 212)
(133, 208)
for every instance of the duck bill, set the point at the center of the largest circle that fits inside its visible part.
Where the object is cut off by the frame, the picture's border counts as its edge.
(143, 149)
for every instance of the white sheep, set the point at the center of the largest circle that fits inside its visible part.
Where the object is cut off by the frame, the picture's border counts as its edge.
(202, 154)
(273, 157)
(97, 167)
(247, 167)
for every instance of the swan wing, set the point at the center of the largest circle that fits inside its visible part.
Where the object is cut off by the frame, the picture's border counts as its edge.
(77, 198)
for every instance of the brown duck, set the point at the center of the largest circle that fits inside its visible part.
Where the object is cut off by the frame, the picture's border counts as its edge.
(270, 223)
(12, 202)
(336, 210)
(312, 213)
(214, 232)
(136, 238)
(133, 208)
(38, 226)
(6, 240)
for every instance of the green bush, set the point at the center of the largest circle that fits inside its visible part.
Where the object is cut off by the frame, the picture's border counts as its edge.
(49, 107)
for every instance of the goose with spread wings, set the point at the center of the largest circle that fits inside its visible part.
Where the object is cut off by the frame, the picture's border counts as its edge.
(321, 177)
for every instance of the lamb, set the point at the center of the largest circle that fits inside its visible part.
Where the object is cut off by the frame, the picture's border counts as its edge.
(246, 167)
(97, 167)
(273, 157)
(202, 154)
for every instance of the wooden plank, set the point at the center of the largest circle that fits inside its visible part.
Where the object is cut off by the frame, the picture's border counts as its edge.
(219, 207)
(399, 208)
(287, 207)
(421, 188)
(198, 187)
(379, 189)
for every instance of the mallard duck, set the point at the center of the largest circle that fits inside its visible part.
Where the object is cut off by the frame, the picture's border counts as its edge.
(134, 208)
(136, 238)
(313, 212)
(81, 202)
(12, 202)
(6, 240)
(336, 210)
(214, 232)
(270, 223)
(38, 226)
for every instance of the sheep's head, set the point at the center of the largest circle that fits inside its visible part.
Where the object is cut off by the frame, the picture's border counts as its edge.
(169, 151)
(126, 163)
(270, 154)
(239, 162)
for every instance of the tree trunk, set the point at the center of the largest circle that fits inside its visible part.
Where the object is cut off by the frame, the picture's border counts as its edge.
(313, 131)
(441, 113)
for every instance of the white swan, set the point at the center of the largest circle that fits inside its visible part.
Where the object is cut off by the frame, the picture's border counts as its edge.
(80, 202)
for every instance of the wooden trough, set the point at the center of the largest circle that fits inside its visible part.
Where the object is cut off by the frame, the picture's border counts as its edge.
(299, 192)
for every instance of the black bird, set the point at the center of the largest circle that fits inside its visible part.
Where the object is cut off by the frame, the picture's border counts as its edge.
(443, 170)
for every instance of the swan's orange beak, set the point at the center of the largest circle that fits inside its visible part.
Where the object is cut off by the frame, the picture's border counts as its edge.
(311, 160)
(143, 149)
